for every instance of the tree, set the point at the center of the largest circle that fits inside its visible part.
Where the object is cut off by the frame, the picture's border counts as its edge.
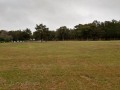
(78, 30)
(26, 34)
(4, 36)
(51, 35)
(72, 34)
(41, 32)
(82, 31)
(17, 35)
(62, 33)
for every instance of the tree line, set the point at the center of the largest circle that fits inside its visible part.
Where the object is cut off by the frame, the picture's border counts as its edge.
(107, 30)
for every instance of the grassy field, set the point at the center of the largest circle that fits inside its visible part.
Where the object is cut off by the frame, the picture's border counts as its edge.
(69, 65)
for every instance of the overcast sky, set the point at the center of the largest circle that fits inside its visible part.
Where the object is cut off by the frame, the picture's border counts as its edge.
(21, 14)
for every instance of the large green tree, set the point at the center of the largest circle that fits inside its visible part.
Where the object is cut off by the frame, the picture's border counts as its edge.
(62, 33)
(26, 34)
(41, 32)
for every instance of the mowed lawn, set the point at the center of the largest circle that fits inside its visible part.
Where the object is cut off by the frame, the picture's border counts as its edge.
(68, 65)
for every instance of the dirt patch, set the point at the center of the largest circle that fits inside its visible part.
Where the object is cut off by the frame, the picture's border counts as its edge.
(86, 77)
(89, 79)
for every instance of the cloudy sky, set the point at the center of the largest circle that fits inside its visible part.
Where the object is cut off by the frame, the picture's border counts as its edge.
(21, 14)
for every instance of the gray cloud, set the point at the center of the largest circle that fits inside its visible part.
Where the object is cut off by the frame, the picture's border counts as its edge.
(20, 14)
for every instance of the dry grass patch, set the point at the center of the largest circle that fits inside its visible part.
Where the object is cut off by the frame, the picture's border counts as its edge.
(68, 65)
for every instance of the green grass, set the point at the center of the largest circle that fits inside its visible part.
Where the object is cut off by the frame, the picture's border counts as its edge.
(69, 65)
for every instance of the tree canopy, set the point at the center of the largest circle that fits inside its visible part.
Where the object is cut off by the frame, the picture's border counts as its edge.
(108, 30)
